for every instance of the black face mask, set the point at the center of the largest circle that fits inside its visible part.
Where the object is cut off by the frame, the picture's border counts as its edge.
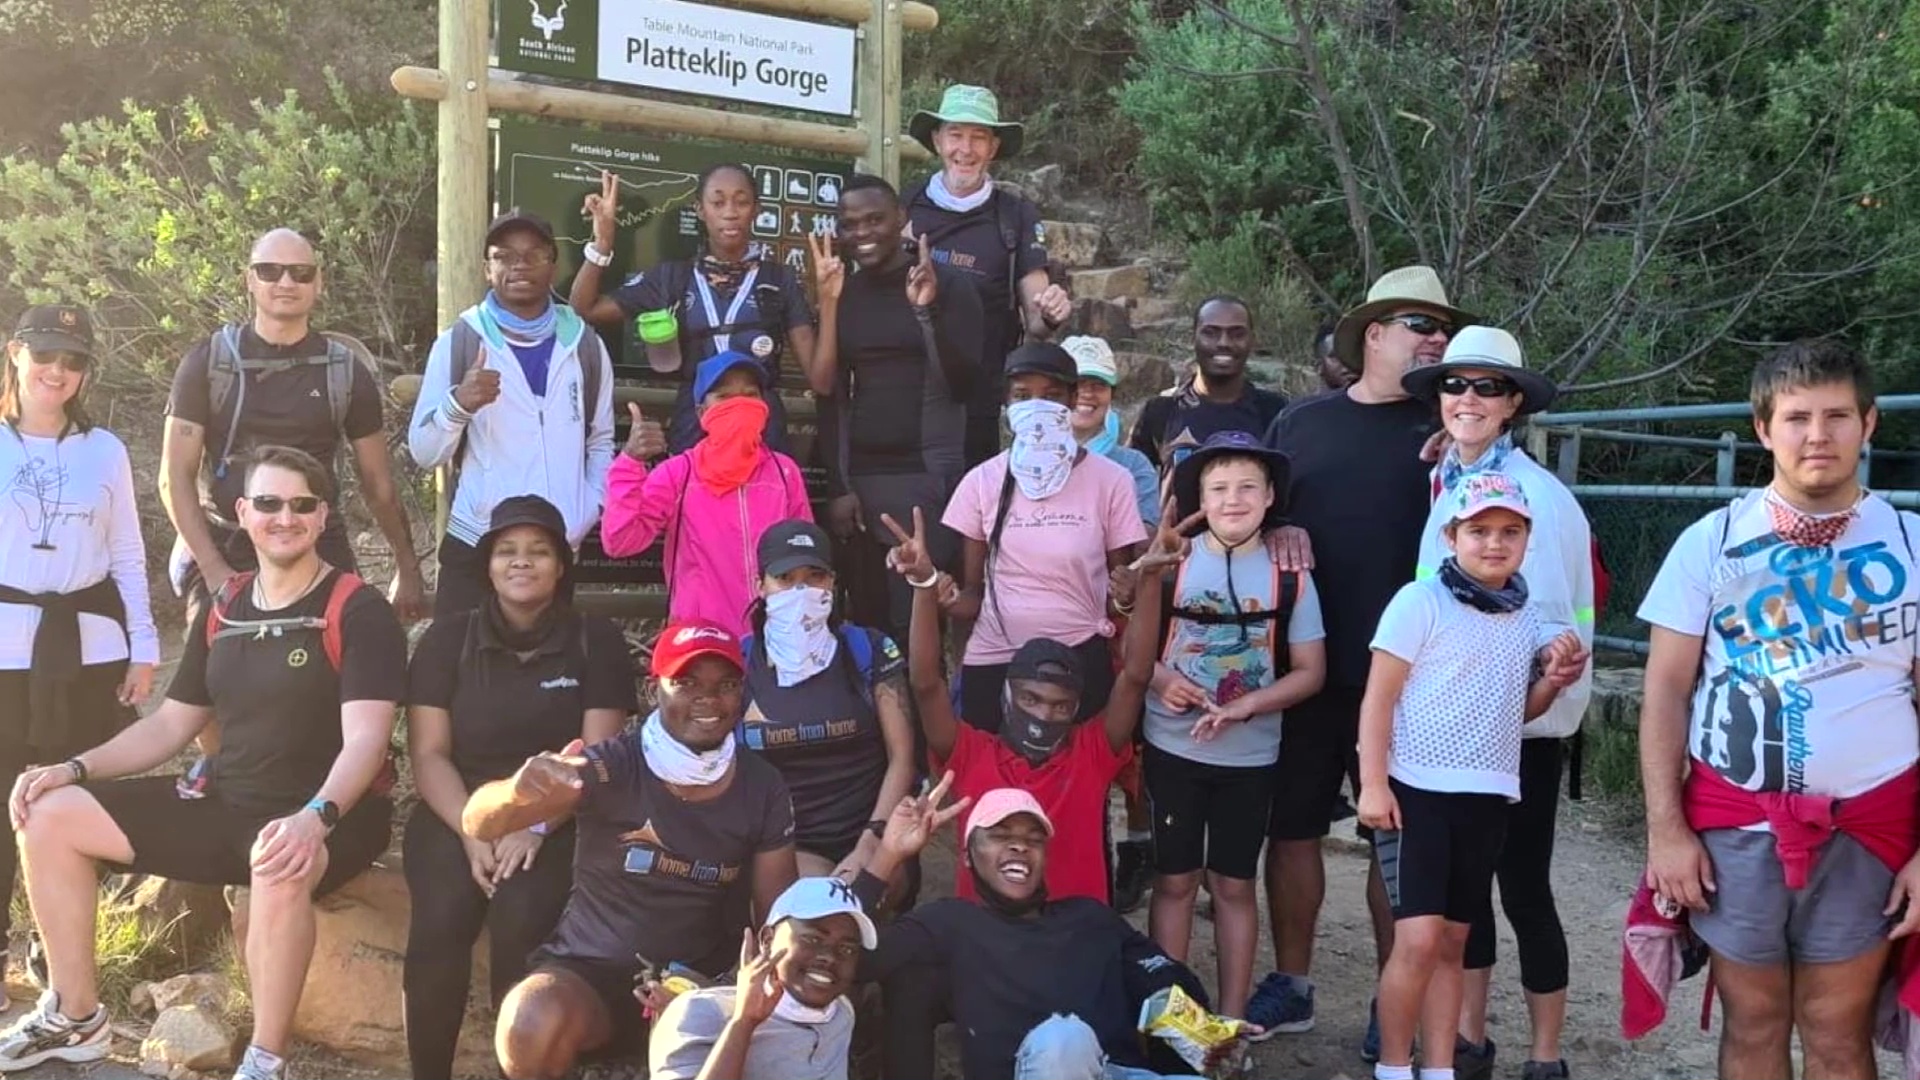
(1031, 737)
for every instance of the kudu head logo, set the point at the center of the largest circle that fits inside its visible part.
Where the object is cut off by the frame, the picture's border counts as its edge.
(548, 24)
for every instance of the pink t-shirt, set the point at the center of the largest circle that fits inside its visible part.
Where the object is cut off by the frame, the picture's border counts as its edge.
(1049, 575)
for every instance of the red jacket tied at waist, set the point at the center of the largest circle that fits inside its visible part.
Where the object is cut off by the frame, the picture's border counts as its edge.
(1884, 820)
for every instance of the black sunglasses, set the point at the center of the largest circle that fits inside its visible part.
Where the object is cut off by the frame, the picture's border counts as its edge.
(75, 362)
(1422, 325)
(273, 504)
(301, 273)
(1486, 386)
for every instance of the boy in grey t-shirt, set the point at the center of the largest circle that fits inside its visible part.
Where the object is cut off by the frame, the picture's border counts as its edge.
(1243, 642)
(787, 1014)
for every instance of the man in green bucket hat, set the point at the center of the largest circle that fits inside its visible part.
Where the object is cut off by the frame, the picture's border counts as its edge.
(991, 235)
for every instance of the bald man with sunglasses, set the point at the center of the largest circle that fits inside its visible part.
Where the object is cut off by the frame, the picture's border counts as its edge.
(279, 392)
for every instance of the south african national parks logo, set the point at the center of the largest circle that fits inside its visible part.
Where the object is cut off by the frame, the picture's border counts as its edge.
(549, 24)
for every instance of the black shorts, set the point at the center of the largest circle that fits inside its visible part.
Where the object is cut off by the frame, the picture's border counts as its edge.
(1317, 743)
(613, 984)
(1442, 859)
(207, 842)
(1206, 815)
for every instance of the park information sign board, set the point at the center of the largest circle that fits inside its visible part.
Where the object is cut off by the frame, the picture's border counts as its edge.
(549, 168)
(683, 47)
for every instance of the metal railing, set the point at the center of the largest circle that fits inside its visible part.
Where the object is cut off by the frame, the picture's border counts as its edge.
(1570, 431)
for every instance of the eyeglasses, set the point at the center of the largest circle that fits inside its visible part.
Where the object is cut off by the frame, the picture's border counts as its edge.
(273, 504)
(532, 260)
(70, 361)
(1422, 325)
(301, 273)
(1486, 386)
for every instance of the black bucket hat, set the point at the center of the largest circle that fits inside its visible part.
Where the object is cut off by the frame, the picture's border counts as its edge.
(1186, 475)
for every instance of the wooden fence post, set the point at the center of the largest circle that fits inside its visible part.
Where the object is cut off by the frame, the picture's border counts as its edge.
(465, 27)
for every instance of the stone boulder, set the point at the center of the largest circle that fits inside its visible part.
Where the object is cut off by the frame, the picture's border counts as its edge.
(188, 921)
(1076, 245)
(188, 1037)
(1115, 283)
(203, 989)
(404, 390)
(1617, 696)
(1142, 375)
(1159, 312)
(351, 1004)
(1101, 319)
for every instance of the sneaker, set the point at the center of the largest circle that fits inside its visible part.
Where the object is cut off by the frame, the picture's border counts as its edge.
(256, 1064)
(1544, 1070)
(1370, 1044)
(1281, 1004)
(1132, 874)
(45, 1034)
(1472, 1062)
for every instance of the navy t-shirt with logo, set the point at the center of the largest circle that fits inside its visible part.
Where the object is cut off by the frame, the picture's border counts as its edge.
(972, 243)
(824, 736)
(504, 708)
(659, 876)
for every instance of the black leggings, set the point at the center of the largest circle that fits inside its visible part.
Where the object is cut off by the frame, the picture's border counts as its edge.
(1525, 874)
(448, 913)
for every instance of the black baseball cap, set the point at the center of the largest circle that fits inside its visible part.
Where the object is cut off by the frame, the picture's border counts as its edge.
(1048, 661)
(517, 218)
(790, 545)
(1043, 358)
(528, 510)
(56, 328)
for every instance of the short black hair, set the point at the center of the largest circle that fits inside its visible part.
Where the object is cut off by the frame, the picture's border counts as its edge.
(1220, 298)
(870, 182)
(1809, 362)
(293, 460)
(707, 174)
(1323, 338)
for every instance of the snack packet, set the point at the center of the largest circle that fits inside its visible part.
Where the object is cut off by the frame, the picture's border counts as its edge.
(1193, 1032)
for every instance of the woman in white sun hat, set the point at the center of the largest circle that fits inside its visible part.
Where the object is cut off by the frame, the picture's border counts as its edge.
(1481, 386)
(1097, 426)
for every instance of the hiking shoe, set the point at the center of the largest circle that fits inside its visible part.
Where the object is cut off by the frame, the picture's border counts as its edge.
(1281, 1004)
(1132, 874)
(257, 1065)
(45, 1034)
(1472, 1062)
(1545, 1070)
(1370, 1044)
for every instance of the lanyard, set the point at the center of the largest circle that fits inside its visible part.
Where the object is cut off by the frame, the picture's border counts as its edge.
(722, 341)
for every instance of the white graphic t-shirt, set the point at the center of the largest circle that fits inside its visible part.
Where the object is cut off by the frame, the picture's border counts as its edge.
(1807, 682)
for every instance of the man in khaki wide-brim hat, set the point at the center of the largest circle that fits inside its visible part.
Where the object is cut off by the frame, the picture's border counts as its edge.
(991, 235)
(1360, 492)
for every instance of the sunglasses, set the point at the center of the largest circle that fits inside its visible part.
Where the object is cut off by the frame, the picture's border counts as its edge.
(301, 273)
(70, 361)
(1422, 325)
(1487, 386)
(273, 504)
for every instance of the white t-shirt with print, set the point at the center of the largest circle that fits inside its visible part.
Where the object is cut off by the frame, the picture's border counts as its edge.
(1458, 723)
(1807, 685)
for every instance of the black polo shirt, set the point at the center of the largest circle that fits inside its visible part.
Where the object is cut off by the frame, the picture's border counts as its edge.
(505, 707)
(277, 697)
(656, 875)
(975, 244)
(284, 408)
(824, 736)
(1174, 425)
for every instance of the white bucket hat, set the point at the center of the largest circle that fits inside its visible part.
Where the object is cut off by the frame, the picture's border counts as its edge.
(1484, 348)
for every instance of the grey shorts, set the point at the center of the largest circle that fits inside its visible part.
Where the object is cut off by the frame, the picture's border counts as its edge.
(1755, 919)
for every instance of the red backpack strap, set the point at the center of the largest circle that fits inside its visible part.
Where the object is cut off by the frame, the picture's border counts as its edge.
(344, 586)
(235, 584)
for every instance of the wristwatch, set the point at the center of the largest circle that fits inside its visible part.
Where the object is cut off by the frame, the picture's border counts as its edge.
(329, 812)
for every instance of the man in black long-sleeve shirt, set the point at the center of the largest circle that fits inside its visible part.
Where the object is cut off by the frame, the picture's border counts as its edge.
(898, 353)
(1040, 988)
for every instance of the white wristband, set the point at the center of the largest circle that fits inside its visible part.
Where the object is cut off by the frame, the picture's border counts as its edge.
(931, 580)
(595, 256)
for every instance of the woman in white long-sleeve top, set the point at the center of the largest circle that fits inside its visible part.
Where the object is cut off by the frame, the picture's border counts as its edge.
(1481, 386)
(77, 641)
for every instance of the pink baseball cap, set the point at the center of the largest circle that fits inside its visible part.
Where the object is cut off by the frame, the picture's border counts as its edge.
(1000, 804)
(1477, 493)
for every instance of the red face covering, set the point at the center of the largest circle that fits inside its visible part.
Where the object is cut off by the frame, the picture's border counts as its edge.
(732, 449)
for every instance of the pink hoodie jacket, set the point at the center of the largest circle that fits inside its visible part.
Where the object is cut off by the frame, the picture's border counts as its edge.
(711, 558)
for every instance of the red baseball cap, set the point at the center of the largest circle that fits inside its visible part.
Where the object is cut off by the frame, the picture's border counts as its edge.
(681, 644)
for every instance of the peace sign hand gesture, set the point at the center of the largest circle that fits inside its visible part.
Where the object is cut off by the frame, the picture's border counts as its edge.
(923, 287)
(829, 272)
(757, 988)
(603, 207)
(909, 557)
(1170, 543)
(915, 820)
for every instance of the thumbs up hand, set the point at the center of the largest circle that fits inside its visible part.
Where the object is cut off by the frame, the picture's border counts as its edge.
(479, 388)
(646, 441)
